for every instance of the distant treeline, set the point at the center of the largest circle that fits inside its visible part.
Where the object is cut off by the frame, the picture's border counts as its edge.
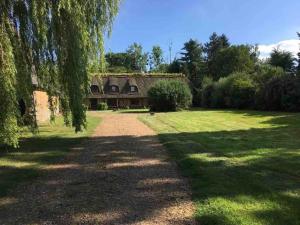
(223, 75)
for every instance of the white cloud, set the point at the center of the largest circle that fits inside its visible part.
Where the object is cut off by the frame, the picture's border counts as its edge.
(287, 45)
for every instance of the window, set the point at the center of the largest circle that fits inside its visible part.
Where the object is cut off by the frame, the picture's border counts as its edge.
(114, 88)
(132, 88)
(95, 89)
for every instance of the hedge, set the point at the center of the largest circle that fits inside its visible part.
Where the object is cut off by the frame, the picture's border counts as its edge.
(169, 95)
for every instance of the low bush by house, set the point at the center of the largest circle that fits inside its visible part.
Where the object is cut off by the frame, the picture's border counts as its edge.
(169, 95)
(102, 106)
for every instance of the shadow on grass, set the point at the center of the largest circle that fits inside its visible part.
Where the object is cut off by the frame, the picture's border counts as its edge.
(242, 174)
(23, 165)
(237, 177)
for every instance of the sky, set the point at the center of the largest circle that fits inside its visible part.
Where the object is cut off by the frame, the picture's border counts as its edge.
(268, 23)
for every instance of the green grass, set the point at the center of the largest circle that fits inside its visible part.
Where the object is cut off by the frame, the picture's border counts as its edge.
(244, 166)
(36, 152)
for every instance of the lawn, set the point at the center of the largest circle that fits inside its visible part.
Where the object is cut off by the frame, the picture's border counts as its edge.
(36, 152)
(244, 166)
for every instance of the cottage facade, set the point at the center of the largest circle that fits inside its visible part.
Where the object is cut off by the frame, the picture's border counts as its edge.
(124, 90)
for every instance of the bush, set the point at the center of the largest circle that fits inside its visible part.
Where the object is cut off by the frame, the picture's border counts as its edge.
(207, 91)
(102, 106)
(241, 91)
(235, 91)
(290, 99)
(263, 75)
(283, 93)
(220, 95)
(169, 95)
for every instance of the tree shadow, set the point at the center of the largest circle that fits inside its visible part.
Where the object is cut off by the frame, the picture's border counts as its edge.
(261, 165)
(112, 180)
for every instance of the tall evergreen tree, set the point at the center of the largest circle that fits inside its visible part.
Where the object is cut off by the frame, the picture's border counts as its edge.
(193, 62)
(212, 48)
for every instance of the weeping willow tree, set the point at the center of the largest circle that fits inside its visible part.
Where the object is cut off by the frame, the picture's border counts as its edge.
(55, 41)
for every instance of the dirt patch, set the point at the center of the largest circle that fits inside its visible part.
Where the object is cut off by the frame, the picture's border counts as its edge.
(121, 175)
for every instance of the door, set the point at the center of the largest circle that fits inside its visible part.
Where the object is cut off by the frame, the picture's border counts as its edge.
(94, 103)
(112, 103)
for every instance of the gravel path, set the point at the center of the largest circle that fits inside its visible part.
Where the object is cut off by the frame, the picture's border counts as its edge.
(120, 176)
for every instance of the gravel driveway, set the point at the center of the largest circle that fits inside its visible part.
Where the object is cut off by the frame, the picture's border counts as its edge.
(121, 175)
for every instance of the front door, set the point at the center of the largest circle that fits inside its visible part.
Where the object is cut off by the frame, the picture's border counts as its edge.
(112, 103)
(94, 103)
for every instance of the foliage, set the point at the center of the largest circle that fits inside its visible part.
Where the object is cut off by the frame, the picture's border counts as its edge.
(156, 59)
(283, 59)
(236, 58)
(207, 91)
(243, 165)
(118, 62)
(298, 60)
(220, 97)
(212, 48)
(175, 67)
(234, 91)
(8, 114)
(264, 73)
(102, 106)
(193, 62)
(282, 93)
(169, 95)
(138, 60)
(55, 41)
(241, 91)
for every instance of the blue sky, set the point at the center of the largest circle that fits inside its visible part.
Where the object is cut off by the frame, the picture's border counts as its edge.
(160, 22)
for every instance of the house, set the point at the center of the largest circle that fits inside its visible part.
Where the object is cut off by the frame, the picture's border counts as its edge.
(124, 90)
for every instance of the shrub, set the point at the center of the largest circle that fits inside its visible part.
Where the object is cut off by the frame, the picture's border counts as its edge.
(169, 95)
(241, 91)
(207, 91)
(263, 75)
(283, 93)
(235, 91)
(102, 106)
(220, 95)
(290, 99)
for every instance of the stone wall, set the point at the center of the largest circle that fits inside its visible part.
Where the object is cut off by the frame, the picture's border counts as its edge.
(43, 113)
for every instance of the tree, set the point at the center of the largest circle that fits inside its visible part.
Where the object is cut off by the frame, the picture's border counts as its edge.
(236, 58)
(283, 59)
(156, 58)
(55, 41)
(298, 61)
(193, 62)
(212, 48)
(118, 62)
(175, 67)
(137, 58)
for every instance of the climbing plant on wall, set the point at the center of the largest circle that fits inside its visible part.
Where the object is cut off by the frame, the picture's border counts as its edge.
(55, 41)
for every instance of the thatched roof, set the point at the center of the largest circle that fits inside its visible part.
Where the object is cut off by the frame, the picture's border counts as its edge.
(142, 81)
